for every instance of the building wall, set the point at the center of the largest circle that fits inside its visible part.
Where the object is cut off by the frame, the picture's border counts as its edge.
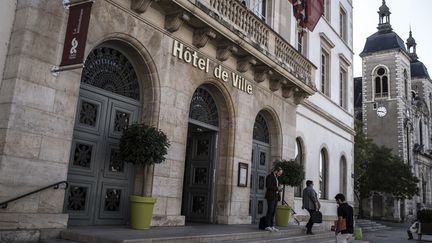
(37, 129)
(388, 130)
(321, 121)
(338, 143)
(36, 122)
(7, 13)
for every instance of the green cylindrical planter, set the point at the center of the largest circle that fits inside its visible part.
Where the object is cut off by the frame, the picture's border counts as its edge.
(282, 215)
(358, 235)
(141, 211)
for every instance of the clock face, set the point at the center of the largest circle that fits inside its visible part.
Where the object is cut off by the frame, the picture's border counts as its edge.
(381, 111)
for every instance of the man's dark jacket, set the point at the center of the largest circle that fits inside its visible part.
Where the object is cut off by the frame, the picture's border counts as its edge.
(272, 187)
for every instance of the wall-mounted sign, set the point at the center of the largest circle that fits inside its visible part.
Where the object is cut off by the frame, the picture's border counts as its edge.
(190, 56)
(76, 34)
(242, 174)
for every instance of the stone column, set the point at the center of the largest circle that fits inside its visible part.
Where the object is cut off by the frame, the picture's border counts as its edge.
(36, 122)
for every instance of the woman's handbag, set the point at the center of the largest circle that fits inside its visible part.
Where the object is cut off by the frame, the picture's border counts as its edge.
(316, 217)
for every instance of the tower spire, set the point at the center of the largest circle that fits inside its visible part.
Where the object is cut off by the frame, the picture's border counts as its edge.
(384, 18)
(411, 46)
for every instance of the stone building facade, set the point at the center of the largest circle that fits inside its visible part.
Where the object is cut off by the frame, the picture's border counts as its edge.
(221, 78)
(395, 91)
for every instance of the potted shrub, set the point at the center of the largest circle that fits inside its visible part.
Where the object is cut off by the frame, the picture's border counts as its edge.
(293, 175)
(143, 146)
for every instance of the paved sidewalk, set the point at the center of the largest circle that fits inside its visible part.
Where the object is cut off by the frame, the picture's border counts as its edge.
(396, 234)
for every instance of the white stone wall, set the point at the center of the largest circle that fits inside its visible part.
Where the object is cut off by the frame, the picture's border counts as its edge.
(323, 123)
(7, 15)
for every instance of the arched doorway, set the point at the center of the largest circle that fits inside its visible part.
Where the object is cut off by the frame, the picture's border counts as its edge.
(198, 186)
(108, 101)
(260, 162)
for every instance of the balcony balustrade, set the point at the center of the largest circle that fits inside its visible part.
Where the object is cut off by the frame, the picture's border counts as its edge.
(234, 15)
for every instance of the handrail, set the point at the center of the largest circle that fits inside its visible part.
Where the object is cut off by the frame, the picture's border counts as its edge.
(4, 204)
(292, 212)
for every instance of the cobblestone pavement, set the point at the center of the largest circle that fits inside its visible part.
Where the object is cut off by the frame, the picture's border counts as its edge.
(397, 233)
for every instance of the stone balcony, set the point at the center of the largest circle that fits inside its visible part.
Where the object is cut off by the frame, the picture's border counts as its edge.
(244, 35)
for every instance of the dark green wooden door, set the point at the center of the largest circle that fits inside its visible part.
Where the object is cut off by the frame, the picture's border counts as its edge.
(197, 198)
(259, 170)
(99, 182)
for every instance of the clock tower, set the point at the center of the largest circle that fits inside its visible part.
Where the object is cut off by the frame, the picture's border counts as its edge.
(386, 103)
(386, 87)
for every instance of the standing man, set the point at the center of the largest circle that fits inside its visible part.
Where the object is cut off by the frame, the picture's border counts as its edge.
(310, 203)
(345, 223)
(273, 188)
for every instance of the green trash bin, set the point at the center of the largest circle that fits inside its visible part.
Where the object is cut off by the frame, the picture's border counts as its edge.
(282, 215)
(358, 235)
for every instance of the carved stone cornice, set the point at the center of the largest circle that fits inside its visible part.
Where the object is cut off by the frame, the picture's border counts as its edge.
(276, 83)
(202, 36)
(243, 64)
(299, 97)
(288, 91)
(140, 6)
(262, 73)
(174, 21)
(224, 51)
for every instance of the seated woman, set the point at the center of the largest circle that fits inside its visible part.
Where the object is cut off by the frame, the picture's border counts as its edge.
(413, 229)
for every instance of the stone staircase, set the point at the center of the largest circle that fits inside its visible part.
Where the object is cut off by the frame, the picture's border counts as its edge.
(187, 234)
(369, 225)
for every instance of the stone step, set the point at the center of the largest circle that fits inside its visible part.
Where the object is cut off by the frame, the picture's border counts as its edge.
(370, 226)
(59, 241)
(326, 237)
(191, 235)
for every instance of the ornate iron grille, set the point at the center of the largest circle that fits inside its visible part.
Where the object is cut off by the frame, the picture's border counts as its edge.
(260, 131)
(77, 198)
(82, 155)
(203, 108)
(110, 70)
(121, 121)
(88, 114)
(200, 176)
(198, 205)
(112, 199)
(116, 164)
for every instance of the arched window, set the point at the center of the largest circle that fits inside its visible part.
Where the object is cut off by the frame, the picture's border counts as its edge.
(406, 83)
(343, 176)
(298, 159)
(203, 108)
(261, 132)
(110, 70)
(323, 174)
(381, 83)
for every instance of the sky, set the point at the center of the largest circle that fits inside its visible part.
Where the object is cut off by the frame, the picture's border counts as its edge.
(417, 13)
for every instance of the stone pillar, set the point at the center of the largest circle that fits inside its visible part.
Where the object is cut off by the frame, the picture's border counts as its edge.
(36, 122)
(396, 211)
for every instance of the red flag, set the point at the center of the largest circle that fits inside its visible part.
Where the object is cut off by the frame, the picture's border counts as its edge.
(314, 11)
(307, 12)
